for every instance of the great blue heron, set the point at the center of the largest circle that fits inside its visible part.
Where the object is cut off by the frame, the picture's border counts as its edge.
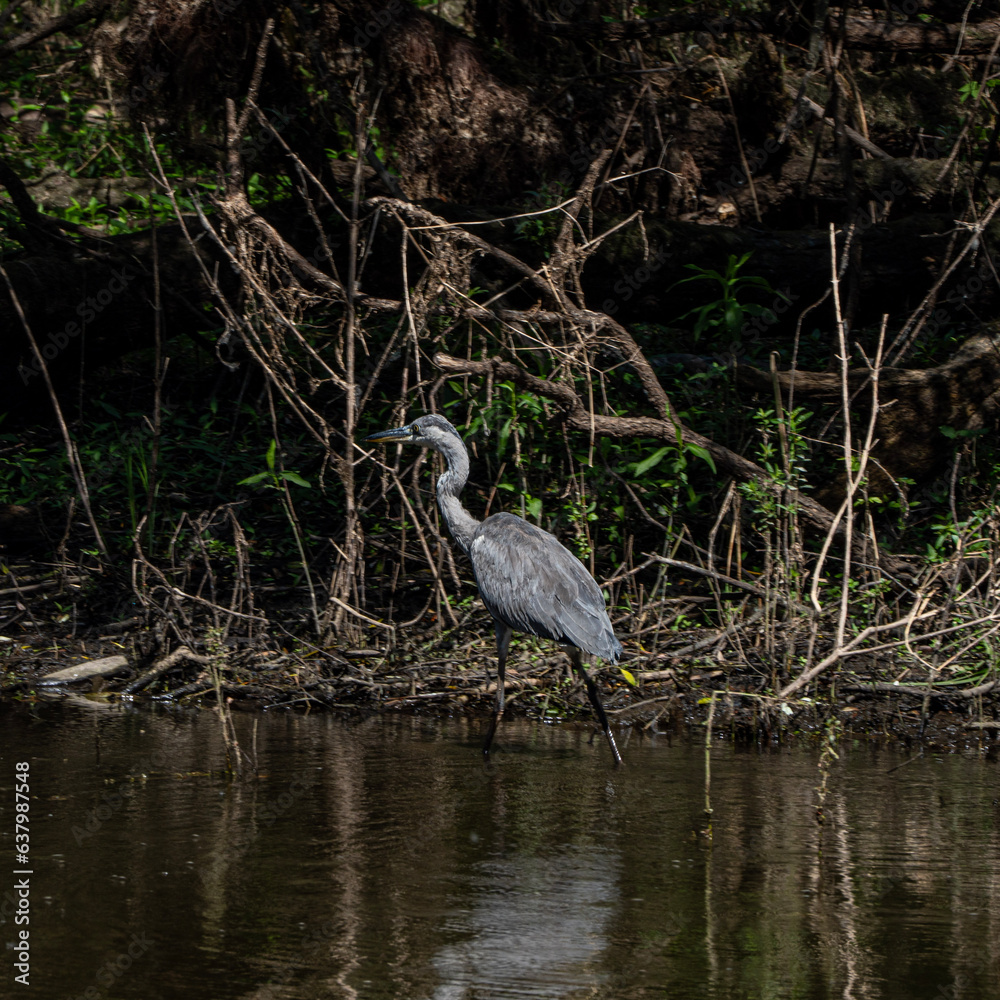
(527, 579)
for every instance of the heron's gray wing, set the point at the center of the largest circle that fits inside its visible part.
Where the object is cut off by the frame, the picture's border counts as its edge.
(534, 584)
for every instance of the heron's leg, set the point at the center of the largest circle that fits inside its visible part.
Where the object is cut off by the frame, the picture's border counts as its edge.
(595, 699)
(503, 644)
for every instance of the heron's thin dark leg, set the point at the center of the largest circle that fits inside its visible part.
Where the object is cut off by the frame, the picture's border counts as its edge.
(503, 644)
(595, 699)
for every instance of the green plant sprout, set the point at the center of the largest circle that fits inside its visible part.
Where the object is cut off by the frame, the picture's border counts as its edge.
(726, 314)
(972, 91)
(273, 478)
(278, 479)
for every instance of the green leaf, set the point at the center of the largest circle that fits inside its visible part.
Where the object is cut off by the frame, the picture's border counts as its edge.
(696, 449)
(272, 448)
(294, 477)
(254, 479)
(629, 676)
(647, 463)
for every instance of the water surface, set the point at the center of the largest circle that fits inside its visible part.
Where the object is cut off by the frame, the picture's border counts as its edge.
(380, 858)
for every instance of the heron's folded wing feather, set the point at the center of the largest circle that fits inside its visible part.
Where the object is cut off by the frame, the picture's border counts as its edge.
(531, 582)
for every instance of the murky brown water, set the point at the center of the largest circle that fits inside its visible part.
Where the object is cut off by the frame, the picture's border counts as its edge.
(381, 860)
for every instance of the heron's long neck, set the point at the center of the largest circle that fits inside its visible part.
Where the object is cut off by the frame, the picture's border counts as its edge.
(461, 523)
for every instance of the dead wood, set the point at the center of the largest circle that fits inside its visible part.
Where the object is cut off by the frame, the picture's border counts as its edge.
(866, 33)
(921, 411)
(179, 655)
(876, 35)
(63, 22)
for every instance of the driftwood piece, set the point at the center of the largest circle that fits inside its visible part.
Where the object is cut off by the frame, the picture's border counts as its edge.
(168, 662)
(108, 666)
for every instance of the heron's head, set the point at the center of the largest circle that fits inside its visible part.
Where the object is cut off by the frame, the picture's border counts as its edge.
(430, 431)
